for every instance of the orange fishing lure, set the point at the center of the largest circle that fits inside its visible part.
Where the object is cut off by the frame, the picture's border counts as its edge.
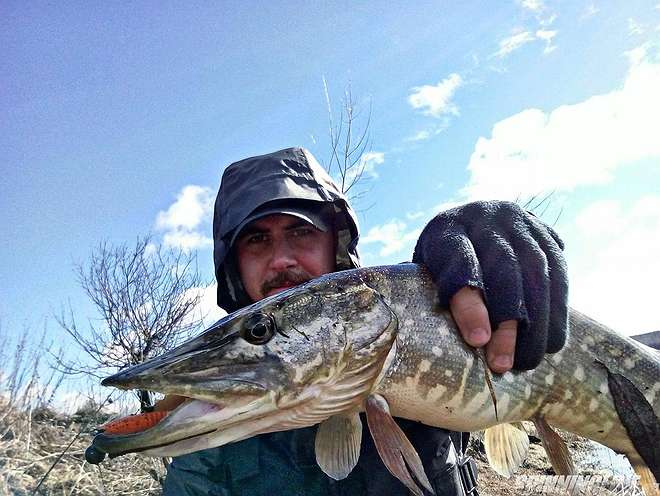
(134, 423)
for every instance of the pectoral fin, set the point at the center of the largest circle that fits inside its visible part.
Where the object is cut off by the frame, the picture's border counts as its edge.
(394, 448)
(337, 444)
(506, 447)
(555, 447)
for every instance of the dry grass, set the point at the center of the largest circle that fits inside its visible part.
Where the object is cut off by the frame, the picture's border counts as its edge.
(33, 436)
(31, 444)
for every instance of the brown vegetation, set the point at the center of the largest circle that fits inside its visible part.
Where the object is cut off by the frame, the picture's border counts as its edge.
(31, 444)
(36, 440)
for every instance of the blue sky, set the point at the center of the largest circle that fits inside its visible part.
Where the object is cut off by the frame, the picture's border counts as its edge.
(119, 119)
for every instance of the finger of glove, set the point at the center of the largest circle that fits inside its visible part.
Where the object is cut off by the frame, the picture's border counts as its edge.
(503, 289)
(532, 338)
(558, 275)
(450, 258)
(555, 236)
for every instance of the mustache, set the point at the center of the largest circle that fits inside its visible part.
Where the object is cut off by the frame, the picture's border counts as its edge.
(289, 276)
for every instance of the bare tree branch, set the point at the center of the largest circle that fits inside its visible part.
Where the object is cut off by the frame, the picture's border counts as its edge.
(145, 296)
(349, 146)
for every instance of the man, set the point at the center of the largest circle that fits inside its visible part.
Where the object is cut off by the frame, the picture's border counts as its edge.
(279, 221)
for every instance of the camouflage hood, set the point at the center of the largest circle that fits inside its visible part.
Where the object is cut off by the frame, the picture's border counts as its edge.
(289, 175)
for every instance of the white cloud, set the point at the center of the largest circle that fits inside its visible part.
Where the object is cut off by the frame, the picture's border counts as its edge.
(519, 39)
(207, 308)
(436, 100)
(590, 11)
(366, 166)
(430, 132)
(533, 152)
(193, 204)
(422, 135)
(514, 42)
(186, 240)
(548, 21)
(150, 249)
(392, 236)
(446, 205)
(72, 400)
(369, 161)
(641, 54)
(415, 215)
(634, 28)
(615, 282)
(192, 209)
(533, 5)
(547, 36)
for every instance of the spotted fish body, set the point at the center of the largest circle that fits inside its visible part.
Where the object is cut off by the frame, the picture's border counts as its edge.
(435, 378)
(319, 351)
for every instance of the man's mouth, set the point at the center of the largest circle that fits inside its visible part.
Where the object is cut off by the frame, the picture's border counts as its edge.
(281, 287)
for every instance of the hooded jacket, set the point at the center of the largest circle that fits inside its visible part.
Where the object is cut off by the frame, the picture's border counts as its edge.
(289, 175)
(283, 463)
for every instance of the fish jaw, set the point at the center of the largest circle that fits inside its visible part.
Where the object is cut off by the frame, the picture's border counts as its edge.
(296, 379)
(189, 423)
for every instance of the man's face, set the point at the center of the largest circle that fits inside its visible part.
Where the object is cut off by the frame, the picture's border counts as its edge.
(280, 251)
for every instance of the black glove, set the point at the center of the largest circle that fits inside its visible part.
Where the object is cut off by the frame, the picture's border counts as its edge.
(514, 258)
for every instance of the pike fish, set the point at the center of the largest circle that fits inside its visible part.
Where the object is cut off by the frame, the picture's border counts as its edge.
(376, 340)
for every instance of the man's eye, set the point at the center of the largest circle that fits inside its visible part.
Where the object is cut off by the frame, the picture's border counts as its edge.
(303, 231)
(255, 239)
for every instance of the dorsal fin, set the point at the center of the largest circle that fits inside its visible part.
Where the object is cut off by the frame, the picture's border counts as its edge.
(337, 444)
(506, 447)
(394, 448)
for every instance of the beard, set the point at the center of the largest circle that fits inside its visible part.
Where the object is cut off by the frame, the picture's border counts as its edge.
(288, 277)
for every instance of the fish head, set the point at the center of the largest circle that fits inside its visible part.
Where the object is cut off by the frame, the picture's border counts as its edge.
(288, 361)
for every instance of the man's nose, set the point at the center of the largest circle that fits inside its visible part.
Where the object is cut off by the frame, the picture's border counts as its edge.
(283, 256)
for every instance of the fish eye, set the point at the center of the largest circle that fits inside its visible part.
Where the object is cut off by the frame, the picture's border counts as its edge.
(258, 328)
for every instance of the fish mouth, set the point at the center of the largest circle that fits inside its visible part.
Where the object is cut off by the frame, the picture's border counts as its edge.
(221, 395)
(160, 435)
(187, 428)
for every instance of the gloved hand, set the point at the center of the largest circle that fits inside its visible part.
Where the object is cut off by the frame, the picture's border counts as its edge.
(497, 254)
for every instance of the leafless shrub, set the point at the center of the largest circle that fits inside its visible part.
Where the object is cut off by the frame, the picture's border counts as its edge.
(145, 297)
(349, 145)
(26, 382)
